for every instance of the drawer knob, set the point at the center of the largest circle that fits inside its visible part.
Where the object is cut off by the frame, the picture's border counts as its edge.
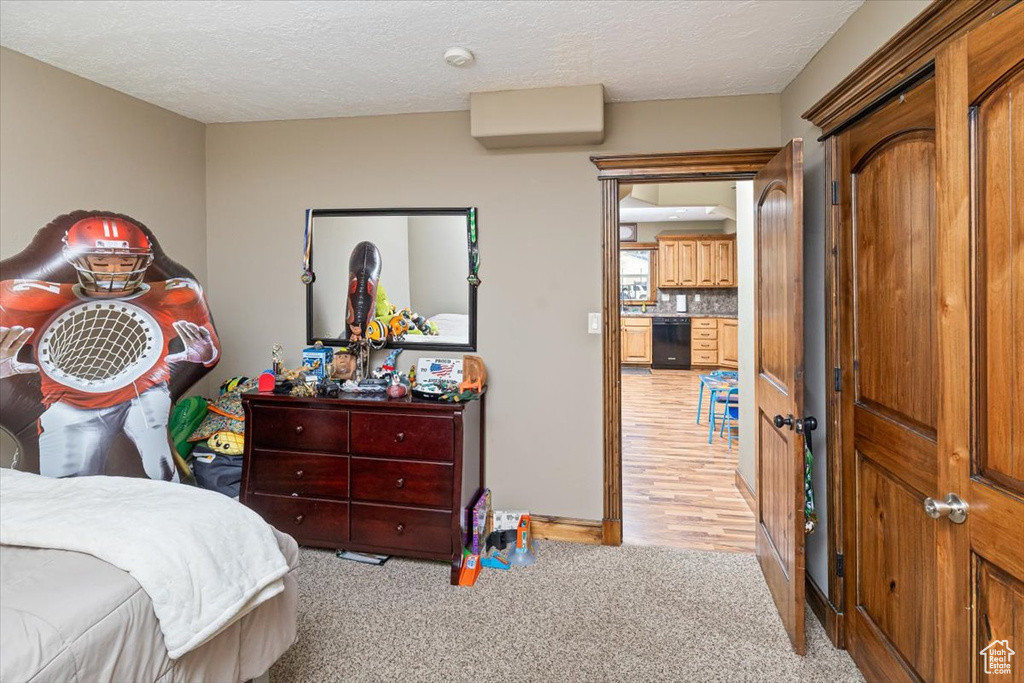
(299, 518)
(400, 483)
(400, 528)
(298, 429)
(400, 437)
(299, 473)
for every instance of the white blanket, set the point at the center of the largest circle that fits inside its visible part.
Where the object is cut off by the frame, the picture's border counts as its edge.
(204, 559)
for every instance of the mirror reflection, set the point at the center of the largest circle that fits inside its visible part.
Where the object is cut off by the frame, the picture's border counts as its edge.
(425, 261)
(636, 273)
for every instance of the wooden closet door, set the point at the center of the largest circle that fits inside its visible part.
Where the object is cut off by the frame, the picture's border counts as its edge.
(887, 190)
(981, 175)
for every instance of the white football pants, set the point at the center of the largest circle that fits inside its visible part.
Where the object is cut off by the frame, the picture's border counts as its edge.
(76, 441)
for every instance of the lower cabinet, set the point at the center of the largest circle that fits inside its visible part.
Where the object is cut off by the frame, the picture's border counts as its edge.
(635, 335)
(366, 474)
(728, 343)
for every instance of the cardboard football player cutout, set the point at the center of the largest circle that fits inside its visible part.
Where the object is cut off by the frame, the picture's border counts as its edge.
(100, 333)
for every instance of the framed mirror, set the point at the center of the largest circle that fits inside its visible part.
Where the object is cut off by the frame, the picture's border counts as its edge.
(428, 263)
(638, 265)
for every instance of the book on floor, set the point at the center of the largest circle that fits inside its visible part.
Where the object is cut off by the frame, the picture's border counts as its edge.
(365, 558)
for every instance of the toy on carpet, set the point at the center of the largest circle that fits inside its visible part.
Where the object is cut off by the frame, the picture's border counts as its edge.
(525, 553)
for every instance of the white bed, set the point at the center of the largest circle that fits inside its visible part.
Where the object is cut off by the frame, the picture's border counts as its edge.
(67, 615)
(453, 328)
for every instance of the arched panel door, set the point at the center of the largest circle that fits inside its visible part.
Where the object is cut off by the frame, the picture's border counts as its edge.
(779, 337)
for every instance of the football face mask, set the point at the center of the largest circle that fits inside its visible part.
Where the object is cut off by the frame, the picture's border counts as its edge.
(110, 255)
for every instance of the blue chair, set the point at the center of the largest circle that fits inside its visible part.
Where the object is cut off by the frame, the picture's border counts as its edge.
(720, 400)
(731, 415)
(713, 392)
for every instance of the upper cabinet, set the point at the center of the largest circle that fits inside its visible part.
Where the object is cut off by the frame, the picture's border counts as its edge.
(696, 261)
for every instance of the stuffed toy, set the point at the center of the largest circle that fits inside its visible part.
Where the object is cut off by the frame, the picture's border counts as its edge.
(363, 276)
(227, 443)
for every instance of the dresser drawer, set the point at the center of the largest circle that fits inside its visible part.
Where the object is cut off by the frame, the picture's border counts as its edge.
(704, 334)
(300, 429)
(401, 481)
(704, 323)
(402, 436)
(309, 520)
(704, 358)
(402, 528)
(705, 344)
(319, 476)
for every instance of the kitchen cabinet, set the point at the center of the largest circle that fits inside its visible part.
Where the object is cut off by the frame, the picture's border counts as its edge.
(704, 343)
(728, 343)
(696, 261)
(635, 334)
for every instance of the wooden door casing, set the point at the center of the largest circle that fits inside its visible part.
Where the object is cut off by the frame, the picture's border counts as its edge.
(887, 186)
(778, 330)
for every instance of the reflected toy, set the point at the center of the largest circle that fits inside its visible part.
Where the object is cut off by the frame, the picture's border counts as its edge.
(364, 268)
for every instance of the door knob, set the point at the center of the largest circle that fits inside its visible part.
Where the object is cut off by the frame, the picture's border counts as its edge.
(952, 507)
(780, 421)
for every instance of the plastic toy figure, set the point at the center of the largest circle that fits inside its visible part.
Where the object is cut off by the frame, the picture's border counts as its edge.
(102, 347)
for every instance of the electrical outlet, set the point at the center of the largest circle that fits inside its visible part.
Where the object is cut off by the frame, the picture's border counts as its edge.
(696, 297)
(664, 296)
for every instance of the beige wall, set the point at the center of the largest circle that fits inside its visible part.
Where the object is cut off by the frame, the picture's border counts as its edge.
(863, 33)
(540, 257)
(67, 143)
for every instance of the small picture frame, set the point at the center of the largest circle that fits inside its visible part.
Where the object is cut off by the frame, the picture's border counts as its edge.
(627, 232)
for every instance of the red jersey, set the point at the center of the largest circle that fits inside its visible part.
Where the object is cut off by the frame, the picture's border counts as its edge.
(99, 352)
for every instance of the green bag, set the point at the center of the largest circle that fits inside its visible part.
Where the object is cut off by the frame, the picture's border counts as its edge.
(187, 415)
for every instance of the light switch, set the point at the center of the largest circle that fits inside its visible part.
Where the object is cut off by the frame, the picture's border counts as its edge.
(594, 323)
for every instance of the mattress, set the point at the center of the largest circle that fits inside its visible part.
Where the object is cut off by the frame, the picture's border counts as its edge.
(67, 616)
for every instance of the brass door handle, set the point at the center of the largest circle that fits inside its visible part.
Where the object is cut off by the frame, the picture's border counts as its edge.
(951, 507)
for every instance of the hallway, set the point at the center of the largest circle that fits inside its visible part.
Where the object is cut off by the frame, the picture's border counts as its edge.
(678, 490)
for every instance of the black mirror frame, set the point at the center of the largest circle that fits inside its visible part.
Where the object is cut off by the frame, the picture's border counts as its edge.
(472, 281)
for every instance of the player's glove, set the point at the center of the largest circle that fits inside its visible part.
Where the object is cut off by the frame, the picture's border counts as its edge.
(12, 339)
(199, 346)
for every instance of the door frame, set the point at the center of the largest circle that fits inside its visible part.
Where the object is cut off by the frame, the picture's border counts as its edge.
(615, 170)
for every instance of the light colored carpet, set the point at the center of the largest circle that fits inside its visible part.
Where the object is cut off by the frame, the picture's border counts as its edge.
(582, 613)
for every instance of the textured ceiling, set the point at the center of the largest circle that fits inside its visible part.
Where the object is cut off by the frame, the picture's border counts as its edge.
(247, 61)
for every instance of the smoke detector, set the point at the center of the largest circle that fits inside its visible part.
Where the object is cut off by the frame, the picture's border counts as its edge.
(458, 56)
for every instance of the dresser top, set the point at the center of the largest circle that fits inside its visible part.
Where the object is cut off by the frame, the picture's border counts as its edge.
(370, 401)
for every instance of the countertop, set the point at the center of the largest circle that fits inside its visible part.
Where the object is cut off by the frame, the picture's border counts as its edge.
(678, 315)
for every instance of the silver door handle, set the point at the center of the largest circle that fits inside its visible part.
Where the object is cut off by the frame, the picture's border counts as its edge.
(952, 507)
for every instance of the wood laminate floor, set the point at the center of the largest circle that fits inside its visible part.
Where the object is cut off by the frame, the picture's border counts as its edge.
(678, 490)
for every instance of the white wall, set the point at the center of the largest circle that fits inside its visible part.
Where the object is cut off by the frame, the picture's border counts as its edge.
(863, 33)
(438, 265)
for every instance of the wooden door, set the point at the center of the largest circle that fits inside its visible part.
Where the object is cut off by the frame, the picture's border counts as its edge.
(705, 263)
(980, 80)
(687, 264)
(725, 263)
(668, 259)
(887, 193)
(728, 343)
(779, 337)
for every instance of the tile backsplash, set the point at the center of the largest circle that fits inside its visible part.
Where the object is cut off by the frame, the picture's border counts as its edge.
(712, 302)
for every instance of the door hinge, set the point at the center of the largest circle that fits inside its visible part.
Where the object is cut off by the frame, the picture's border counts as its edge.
(837, 376)
(835, 193)
(839, 565)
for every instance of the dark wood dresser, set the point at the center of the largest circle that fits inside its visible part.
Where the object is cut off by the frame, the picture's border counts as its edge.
(365, 474)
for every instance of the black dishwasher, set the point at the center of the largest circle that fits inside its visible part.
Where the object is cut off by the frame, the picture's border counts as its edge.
(670, 346)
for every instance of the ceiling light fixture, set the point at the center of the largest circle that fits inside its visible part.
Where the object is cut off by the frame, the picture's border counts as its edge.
(458, 56)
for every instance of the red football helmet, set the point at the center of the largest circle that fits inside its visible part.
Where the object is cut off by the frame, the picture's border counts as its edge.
(99, 248)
